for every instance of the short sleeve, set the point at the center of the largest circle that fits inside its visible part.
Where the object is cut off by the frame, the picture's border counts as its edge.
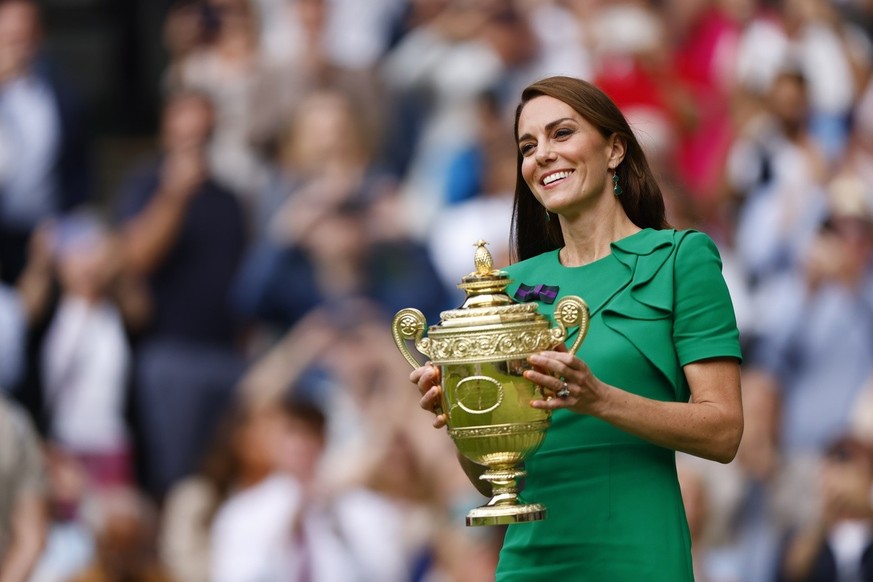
(704, 322)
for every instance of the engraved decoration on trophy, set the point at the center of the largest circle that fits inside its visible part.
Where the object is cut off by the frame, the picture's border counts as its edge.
(481, 349)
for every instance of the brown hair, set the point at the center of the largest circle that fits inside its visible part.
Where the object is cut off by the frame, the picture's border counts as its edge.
(532, 233)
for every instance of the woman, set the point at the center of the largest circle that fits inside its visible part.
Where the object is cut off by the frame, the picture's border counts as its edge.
(658, 371)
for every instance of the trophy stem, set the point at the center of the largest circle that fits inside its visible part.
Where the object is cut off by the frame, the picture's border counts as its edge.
(504, 507)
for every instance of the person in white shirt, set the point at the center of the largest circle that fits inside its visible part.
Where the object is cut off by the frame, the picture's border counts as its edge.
(85, 356)
(290, 526)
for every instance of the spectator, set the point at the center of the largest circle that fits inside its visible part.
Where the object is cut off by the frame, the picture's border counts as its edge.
(778, 171)
(43, 161)
(288, 525)
(242, 452)
(85, 356)
(229, 67)
(325, 156)
(184, 234)
(837, 543)
(23, 494)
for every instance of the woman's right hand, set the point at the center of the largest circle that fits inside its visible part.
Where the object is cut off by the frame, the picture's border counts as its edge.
(427, 378)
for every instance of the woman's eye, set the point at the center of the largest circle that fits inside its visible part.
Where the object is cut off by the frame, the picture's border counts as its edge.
(526, 149)
(563, 132)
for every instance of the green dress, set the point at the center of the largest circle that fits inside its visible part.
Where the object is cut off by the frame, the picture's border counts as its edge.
(615, 513)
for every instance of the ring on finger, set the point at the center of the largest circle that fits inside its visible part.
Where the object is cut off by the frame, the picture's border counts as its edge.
(564, 392)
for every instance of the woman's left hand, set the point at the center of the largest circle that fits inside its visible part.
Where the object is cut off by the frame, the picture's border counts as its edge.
(567, 382)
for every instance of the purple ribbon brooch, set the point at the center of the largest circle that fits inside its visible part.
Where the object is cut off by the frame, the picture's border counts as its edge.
(544, 293)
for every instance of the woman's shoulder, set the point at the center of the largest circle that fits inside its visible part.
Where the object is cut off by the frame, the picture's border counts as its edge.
(648, 239)
(695, 243)
(668, 241)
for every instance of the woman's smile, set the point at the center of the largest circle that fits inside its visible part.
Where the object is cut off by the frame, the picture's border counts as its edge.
(553, 177)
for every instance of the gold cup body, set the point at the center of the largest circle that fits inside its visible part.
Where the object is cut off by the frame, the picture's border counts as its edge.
(482, 355)
(492, 424)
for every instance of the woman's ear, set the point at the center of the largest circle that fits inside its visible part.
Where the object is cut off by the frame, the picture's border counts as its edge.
(618, 149)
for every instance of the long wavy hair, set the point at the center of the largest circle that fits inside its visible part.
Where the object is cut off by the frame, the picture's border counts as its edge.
(532, 233)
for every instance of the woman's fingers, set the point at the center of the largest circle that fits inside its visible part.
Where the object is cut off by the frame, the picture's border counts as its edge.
(548, 367)
(431, 399)
(427, 378)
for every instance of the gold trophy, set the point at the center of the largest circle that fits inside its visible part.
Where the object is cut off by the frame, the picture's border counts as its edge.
(482, 350)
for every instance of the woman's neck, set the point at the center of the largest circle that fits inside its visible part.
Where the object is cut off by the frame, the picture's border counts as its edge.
(587, 238)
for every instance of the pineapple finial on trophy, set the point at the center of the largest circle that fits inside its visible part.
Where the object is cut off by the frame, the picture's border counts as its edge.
(482, 260)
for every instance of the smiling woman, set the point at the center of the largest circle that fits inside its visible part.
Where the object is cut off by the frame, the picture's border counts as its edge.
(658, 372)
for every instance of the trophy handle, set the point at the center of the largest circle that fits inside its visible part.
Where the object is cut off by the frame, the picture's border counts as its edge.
(409, 324)
(572, 311)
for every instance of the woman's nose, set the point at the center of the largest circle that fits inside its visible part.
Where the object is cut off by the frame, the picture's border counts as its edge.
(544, 154)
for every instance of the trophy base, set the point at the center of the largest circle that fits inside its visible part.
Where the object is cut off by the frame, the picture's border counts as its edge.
(505, 514)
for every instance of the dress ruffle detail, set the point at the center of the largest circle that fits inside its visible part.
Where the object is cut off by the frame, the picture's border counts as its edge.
(647, 297)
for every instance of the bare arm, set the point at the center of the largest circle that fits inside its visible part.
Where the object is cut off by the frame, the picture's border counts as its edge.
(270, 376)
(35, 282)
(147, 238)
(28, 538)
(709, 426)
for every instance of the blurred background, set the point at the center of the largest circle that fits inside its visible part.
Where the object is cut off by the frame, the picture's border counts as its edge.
(211, 209)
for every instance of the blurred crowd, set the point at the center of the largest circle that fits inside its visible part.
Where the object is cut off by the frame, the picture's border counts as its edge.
(197, 376)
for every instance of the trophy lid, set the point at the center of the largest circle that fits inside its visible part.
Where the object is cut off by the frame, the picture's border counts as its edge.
(490, 325)
(487, 302)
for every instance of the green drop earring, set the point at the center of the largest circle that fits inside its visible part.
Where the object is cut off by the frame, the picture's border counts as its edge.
(615, 187)
(548, 216)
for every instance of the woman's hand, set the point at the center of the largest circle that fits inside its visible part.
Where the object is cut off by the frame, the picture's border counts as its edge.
(427, 378)
(709, 425)
(566, 380)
